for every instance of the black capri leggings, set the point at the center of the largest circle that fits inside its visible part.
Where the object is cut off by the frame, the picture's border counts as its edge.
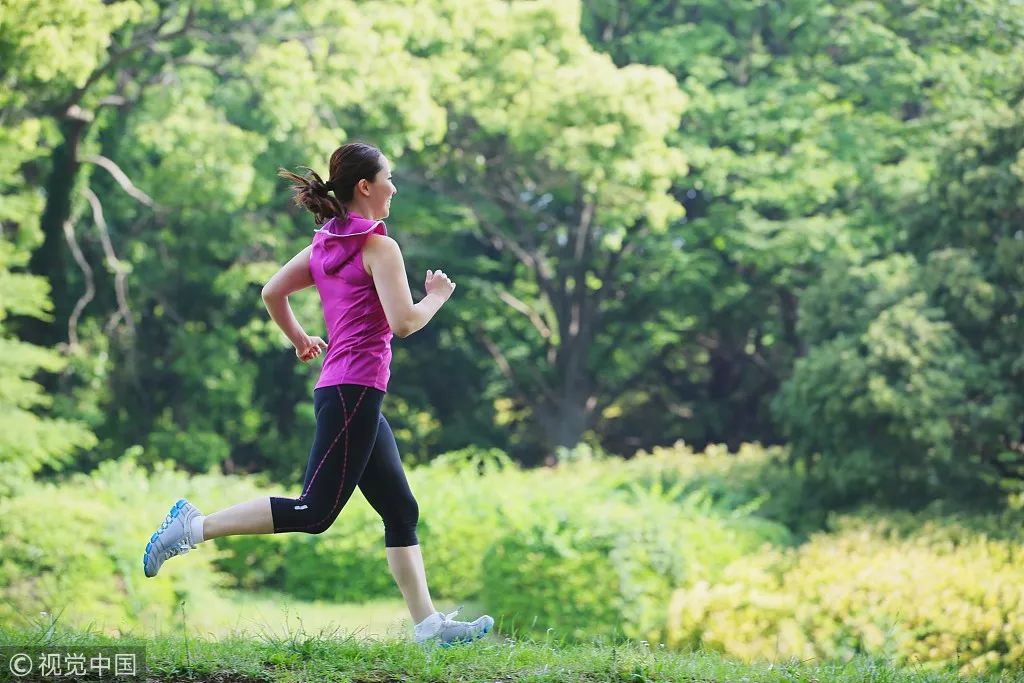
(353, 446)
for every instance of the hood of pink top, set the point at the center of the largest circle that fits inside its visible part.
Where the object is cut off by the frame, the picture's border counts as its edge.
(336, 242)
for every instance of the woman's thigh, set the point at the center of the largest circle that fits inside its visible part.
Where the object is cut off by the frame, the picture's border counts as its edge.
(347, 417)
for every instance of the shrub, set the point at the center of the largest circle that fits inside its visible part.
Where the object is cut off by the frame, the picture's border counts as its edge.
(607, 569)
(753, 480)
(935, 592)
(82, 559)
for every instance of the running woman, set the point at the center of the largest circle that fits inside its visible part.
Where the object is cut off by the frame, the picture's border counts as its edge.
(360, 275)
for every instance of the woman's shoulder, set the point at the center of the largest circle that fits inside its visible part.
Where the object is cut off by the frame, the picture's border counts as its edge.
(379, 238)
(379, 248)
(379, 243)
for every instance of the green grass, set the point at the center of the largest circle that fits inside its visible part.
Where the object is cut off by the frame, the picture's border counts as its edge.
(278, 614)
(338, 655)
(269, 637)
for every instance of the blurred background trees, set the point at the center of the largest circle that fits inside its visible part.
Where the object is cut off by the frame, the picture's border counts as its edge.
(794, 223)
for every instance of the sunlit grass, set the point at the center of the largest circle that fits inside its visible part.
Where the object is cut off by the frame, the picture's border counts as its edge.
(337, 643)
(278, 614)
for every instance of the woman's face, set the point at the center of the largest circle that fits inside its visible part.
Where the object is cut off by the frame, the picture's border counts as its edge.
(380, 191)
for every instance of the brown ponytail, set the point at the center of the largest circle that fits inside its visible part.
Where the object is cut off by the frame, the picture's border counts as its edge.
(349, 164)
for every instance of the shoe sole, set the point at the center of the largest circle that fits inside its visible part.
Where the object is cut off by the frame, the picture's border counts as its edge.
(174, 512)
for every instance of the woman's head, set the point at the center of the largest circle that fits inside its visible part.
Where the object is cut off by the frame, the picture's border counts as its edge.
(360, 180)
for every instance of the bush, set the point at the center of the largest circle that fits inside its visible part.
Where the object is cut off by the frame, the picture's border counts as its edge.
(598, 514)
(753, 480)
(345, 564)
(607, 569)
(463, 497)
(936, 592)
(468, 500)
(82, 559)
(472, 499)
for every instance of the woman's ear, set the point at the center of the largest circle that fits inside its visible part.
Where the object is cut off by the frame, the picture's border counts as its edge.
(364, 187)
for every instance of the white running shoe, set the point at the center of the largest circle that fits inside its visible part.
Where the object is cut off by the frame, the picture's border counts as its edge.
(443, 629)
(174, 537)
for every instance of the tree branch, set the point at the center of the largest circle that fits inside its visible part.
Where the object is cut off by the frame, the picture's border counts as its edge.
(523, 308)
(502, 362)
(90, 288)
(120, 272)
(500, 240)
(510, 374)
(581, 252)
(121, 178)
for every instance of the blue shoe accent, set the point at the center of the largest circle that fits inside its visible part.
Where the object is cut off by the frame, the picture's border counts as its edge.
(172, 538)
(468, 639)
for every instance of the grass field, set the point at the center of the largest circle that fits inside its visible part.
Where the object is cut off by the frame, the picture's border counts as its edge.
(268, 638)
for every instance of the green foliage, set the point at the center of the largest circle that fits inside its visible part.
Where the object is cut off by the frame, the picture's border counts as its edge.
(30, 438)
(811, 130)
(345, 565)
(850, 256)
(467, 498)
(753, 480)
(592, 548)
(924, 590)
(457, 535)
(500, 504)
(554, 580)
(912, 387)
(606, 569)
(87, 567)
(28, 441)
(33, 28)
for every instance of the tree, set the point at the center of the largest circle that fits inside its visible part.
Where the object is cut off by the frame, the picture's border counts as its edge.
(812, 127)
(29, 440)
(561, 162)
(918, 392)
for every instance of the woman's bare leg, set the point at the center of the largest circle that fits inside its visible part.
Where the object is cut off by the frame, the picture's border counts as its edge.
(406, 566)
(251, 517)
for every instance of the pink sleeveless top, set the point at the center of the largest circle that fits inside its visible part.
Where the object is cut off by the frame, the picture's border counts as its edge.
(358, 334)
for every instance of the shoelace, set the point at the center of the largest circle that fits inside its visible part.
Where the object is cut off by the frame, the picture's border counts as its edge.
(180, 548)
(185, 544)
(447, 619)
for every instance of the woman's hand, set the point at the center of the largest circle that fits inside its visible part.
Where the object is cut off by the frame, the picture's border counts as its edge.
(310, 348)
(438, 283)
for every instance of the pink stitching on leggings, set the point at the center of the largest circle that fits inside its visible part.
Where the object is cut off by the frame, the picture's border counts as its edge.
(345, 418)
(344, 462)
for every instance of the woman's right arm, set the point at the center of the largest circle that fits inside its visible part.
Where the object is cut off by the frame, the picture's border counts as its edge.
(383, 258)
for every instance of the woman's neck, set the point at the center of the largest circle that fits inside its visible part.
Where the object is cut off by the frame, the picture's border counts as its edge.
(361, 208)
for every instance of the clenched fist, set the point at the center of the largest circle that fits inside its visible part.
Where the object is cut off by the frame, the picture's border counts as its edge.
(310, 348)
(439, 283)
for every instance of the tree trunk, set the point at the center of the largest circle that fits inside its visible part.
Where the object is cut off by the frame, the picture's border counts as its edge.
(50, 260)
(567, 412)
(564, 422)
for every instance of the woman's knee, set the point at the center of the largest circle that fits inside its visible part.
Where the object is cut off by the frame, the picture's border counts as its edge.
(317, 519)
(409, 512)
(400, 525)
(318, 527)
